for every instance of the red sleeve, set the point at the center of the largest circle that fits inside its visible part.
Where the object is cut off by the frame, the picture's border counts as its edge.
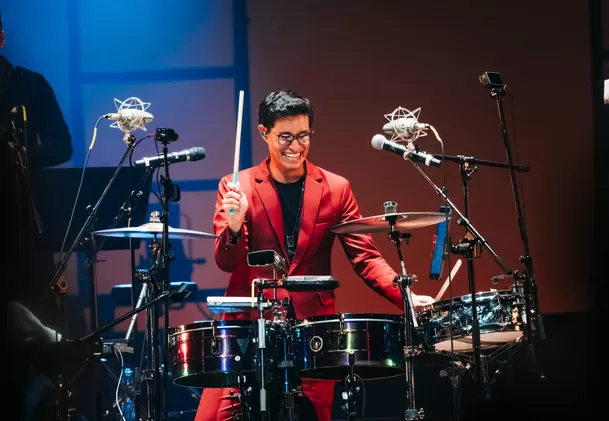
(228, 254)
(365, 258)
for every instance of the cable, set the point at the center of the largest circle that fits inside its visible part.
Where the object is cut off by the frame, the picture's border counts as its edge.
(135, 146)
(82, 177)
(118, 385)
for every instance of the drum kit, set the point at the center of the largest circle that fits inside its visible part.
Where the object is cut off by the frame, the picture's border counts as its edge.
(264, 354)
(264, 358)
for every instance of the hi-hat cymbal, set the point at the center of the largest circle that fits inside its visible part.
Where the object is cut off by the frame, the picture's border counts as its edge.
(380, 223)
(153, 230)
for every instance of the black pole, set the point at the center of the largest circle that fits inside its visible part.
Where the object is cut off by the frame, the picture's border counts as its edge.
(534, 323)
(467, 249)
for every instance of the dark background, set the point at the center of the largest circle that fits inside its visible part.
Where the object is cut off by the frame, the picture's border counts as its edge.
(357, 61)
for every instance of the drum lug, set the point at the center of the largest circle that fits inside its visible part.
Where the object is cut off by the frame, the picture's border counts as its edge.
(215, 348)
(341, 321)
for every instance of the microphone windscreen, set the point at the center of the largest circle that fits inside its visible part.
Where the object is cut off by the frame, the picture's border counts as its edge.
(378, 141)
(197, 153)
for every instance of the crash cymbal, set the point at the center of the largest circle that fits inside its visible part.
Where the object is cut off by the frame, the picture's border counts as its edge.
(380, 223)
(153, 230)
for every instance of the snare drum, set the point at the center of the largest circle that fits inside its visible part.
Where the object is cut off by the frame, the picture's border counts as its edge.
(321, 346)
(500, 317)
(203, 353)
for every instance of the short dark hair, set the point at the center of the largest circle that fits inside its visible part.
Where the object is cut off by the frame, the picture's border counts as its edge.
(281, 104)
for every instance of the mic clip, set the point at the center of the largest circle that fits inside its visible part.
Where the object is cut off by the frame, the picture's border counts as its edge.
(170, 190)
(468, 247)
(165, 135)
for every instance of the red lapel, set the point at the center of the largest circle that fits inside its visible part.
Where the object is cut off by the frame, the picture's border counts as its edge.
(310, 207)
(270, 200)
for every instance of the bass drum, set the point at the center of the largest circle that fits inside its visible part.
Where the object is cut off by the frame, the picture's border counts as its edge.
(204, 354)
(321, 346)
(500, 316)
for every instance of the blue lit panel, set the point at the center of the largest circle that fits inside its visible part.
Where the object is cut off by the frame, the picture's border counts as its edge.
(136, 35)
(203, 113)
(38, 41)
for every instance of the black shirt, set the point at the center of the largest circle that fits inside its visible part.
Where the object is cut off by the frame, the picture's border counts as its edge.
(291, 197)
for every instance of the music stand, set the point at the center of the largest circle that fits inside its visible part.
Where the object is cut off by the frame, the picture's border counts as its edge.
(58, 189)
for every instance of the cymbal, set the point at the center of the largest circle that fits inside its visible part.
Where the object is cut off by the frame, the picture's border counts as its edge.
(380, 223)
(153, 230)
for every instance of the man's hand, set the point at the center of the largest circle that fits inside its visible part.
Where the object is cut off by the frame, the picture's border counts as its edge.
(235, 199)
(419, 301)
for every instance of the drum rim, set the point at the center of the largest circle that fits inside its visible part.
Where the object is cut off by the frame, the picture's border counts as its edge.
(502, 293)
(207, 324)
(349, 317)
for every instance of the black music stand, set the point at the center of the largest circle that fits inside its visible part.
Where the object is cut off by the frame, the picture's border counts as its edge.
(58, 189)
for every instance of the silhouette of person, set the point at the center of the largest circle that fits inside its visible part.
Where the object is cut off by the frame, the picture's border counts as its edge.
(33, 135)
(29, 107)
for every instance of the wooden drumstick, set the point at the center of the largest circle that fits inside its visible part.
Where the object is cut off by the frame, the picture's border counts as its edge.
(237, 142)
(448, 280)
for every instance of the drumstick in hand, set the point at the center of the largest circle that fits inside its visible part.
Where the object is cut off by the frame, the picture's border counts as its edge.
(448, 280)
(237, 142)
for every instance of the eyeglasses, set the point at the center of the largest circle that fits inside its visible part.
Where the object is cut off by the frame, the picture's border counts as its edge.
(286, 139)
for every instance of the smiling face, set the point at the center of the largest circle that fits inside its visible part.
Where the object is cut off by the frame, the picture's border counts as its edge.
(287, 161)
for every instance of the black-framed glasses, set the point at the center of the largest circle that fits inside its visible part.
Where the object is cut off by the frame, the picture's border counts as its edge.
(286, 139)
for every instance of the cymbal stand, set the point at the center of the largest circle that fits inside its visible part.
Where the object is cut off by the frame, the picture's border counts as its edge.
(404, 282)
(534, 328)
(159, 273)
(472, 239)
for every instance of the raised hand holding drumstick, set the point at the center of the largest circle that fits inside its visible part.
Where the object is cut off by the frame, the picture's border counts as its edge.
(234, 201)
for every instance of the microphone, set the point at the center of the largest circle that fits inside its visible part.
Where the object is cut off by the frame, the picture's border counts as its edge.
(192, 154)
(381, 143)
(128, 116)
(405, 125)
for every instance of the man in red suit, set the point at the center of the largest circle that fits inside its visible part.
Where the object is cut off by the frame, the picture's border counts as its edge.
(289, 205)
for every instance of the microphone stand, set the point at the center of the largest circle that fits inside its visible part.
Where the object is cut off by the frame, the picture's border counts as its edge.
(533, 323)
(462, 159)
(466, 247)
(160, 275)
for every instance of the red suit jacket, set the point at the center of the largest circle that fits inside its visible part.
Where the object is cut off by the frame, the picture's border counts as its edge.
(328, 200)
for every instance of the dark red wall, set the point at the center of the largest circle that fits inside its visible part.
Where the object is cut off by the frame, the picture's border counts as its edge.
(360, 60)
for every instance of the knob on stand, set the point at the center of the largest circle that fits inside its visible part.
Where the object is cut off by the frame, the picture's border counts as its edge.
(404, 281)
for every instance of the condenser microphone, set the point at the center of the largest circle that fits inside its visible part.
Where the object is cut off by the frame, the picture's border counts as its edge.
(405, 125)
(130, 117)
(379, 142)
(192, 154)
